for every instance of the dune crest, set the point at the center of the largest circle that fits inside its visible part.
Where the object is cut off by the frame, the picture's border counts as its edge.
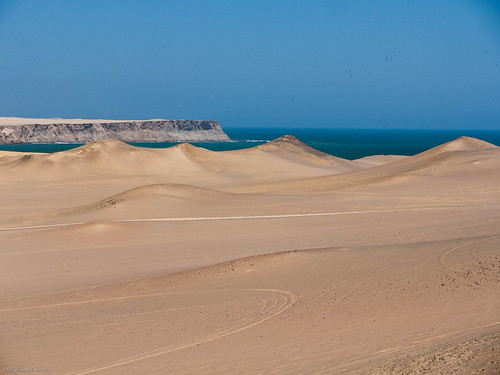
(450, 160)
(109, 144)
(284, 157)
(289, 144)
(148, 201)
(464, 144)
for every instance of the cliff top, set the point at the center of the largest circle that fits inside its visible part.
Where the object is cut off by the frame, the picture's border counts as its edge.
(12, 121)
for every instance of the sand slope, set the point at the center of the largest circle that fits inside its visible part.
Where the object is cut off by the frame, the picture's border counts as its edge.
(462, 156)
(374, 160)
(285, 157)
(277, 259)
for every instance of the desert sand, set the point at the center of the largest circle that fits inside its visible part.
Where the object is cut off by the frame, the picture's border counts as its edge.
(277, 259)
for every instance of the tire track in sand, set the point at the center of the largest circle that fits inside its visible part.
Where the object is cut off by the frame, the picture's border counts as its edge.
(473, 252)
(285, 300)
(246, 217)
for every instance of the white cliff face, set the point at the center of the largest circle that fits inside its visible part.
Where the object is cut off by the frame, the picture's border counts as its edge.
(84, 131)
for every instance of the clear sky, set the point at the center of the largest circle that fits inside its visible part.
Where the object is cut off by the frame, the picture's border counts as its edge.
(314, 63)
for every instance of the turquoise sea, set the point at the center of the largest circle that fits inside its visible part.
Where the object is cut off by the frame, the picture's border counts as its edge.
(344, 143)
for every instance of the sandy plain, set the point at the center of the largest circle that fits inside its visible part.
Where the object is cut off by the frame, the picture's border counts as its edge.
(276, 259)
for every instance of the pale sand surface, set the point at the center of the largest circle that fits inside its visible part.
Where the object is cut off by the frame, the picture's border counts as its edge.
(277, 259)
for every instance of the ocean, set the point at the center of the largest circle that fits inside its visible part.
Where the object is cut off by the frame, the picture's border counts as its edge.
(344, 143)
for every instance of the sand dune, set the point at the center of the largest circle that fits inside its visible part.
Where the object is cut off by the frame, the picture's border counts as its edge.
(104, 158)
(292, 148)
(276, 259)
(149, 201)
(374, 160)
(463, 152)
(7, 157)
(183, 163)
(450, 160)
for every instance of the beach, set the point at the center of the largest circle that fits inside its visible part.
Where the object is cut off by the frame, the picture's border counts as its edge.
(274, 259)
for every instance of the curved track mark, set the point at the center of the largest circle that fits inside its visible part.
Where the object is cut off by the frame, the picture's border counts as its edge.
(287, 299)
(83, 302)
(473, 251)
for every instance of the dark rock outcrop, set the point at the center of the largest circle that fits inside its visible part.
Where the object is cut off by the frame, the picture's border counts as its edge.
(125, 131)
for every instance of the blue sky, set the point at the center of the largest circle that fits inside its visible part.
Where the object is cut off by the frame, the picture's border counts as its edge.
(316, 63)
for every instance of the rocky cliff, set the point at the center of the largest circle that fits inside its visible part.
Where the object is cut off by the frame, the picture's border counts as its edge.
(17, 130)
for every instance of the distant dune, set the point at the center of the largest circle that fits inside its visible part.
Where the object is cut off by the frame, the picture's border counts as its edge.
(275, 259)
(179, 164)
(448, 160)
(374, 160)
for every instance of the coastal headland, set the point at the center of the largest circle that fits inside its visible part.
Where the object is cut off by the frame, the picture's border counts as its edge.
(25, 130)
(276, 259)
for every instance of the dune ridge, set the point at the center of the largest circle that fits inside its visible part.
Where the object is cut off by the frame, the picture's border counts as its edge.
(447, 160)
(184, 161)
